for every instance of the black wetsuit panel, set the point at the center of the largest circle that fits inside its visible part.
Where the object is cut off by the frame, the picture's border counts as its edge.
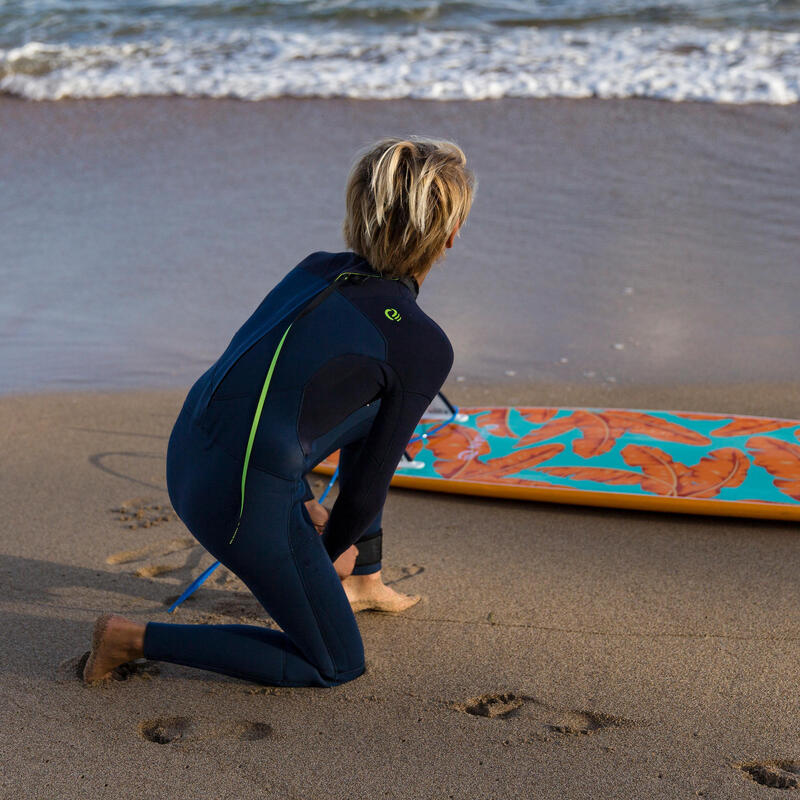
(418, 358)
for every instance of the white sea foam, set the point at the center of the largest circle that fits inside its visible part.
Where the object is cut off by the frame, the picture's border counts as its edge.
(668, 62)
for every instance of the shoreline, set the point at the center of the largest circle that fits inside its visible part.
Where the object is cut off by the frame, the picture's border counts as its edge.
(288, 98)
(777, 400)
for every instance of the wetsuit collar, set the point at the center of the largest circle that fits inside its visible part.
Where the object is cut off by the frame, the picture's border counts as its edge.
(411, 282)
(407, 280)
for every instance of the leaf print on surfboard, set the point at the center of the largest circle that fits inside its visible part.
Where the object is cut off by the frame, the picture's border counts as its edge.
(701, 415)
(493, 420)
(740, 426)
(458, 456)
(601, 429)
(516, 461)
(725, 468)
(782, 461)
(652, 426)
(455, 447)
(747, 426)
(598, 474)
(537, 415)
(412, 448)
(661, 475)
(550, 430)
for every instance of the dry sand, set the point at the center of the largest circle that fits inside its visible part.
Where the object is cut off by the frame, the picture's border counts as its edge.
(558, 652)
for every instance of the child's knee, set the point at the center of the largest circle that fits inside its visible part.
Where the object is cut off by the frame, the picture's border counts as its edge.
(343, 676)
(347, 666)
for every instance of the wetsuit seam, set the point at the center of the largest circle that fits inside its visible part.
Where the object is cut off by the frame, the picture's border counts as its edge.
(386, 341)
(270, 472)
(311, 605)
(368, 487)
(394, 427)
(427, 397)
(223, 398)
(217, 381)
(215, 442)
(372, 323)
(242, 675)
(305, 386)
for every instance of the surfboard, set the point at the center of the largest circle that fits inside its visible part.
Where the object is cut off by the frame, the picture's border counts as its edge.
(673, 461)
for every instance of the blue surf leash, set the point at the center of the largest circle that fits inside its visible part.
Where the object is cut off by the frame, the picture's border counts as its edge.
(204, 576)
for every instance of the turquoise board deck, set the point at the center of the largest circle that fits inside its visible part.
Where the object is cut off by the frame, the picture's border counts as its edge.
(724, 464)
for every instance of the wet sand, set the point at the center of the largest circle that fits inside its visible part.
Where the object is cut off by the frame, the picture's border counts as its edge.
(557, 652)
(610, 241)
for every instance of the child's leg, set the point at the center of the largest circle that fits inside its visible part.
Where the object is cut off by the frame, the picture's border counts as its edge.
(365, 587)
(279, 555)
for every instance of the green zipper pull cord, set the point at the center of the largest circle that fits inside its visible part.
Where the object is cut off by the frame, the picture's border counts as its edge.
(262, 398)
(254, 426)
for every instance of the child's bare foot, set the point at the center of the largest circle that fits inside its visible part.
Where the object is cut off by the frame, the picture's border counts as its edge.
(115, 641)
(369, 592)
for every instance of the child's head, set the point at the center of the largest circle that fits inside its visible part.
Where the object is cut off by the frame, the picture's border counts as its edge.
(405, 197)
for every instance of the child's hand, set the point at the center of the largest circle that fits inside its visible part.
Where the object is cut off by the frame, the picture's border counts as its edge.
(346, 562)
(318, 513)
(319, 517)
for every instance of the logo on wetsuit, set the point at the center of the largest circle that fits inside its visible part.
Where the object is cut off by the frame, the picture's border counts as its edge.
(393, 314)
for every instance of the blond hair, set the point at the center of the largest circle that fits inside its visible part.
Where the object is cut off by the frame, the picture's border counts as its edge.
(404, 198)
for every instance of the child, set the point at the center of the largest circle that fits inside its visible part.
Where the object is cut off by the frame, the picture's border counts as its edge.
(337, 356)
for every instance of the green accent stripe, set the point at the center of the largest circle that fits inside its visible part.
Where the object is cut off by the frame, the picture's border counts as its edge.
(260, 406)
(254, 426)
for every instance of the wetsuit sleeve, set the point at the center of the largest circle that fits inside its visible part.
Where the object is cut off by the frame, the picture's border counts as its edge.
(363, 496)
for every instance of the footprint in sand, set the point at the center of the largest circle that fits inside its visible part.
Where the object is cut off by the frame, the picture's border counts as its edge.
(166, 730)
(580, 723)
(141, 512)
(141, 668)
(154, 570)
(163, 730)
(247, 731)
(779, 774)
(491, 705)
(553, 720)
(155, 549)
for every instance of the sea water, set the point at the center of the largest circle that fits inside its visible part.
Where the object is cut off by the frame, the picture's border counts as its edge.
(612, 242)
(731, 51)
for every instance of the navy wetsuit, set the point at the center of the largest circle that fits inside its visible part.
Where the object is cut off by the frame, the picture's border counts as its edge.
(327, 361)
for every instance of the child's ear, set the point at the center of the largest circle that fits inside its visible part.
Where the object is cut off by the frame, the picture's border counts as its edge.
(452, 237)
